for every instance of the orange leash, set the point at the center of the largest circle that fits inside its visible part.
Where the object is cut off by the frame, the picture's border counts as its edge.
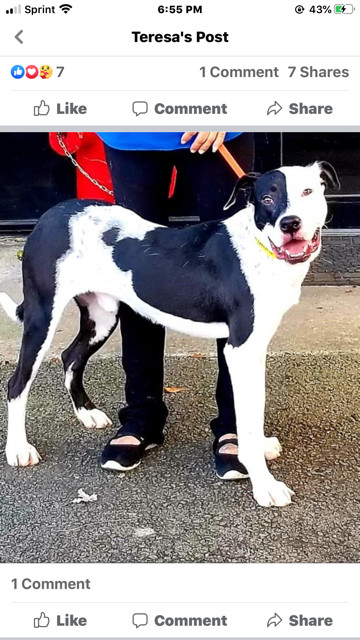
(231, 161)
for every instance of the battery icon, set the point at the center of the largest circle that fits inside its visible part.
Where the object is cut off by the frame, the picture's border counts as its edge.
(343, 8)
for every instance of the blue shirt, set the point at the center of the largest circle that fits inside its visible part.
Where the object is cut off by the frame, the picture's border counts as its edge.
(157, 141)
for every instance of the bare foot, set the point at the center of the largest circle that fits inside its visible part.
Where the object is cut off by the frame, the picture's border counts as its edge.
(126, 440)
(229, 448)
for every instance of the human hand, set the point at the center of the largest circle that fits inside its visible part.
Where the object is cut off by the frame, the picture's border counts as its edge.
(204, 140)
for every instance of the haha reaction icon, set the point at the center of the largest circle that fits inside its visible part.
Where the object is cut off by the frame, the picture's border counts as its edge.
(45, 71)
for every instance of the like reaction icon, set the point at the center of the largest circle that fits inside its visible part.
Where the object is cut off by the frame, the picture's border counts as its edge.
(42, 622)
(17, 71)
(41, 110)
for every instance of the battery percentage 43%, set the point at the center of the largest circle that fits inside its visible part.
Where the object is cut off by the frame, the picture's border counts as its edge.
(320, 8)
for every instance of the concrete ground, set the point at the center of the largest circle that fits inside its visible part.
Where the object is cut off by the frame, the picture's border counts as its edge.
(173, 508)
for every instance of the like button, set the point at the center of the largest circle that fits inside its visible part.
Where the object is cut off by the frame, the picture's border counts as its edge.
(42, 622)
(42, 110)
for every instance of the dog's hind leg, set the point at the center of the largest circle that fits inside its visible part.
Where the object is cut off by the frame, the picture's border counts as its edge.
(98, 319)
(40, 322)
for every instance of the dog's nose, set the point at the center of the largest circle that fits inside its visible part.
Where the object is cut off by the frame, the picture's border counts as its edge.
(290, 224)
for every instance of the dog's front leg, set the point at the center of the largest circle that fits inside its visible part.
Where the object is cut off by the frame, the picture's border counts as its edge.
(246, 365)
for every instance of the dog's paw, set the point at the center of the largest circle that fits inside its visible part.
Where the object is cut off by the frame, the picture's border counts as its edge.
(27, 456)
(93, 418)
(273, 448)
(273, 494)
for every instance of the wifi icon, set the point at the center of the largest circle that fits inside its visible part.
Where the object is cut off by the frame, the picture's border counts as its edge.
(65, 8)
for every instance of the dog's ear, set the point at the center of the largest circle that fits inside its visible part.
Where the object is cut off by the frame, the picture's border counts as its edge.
(329, 176)
(246, 183)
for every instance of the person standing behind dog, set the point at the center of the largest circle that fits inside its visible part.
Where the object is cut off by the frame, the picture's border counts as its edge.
(141, 166)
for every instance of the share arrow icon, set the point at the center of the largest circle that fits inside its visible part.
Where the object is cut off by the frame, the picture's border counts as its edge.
(275, 620)
(274, 108)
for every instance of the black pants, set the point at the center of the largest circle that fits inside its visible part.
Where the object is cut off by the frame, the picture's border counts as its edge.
(141, 182)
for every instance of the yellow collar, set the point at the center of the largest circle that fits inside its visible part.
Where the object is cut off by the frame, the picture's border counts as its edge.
(268, 251)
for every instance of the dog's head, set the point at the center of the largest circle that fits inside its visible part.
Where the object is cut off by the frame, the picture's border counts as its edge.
(290, 207)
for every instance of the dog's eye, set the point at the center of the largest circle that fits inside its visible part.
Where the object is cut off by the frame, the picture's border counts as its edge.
(267, 200)
(306, 192)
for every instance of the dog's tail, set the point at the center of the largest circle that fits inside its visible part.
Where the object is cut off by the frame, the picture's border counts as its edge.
(13, 310)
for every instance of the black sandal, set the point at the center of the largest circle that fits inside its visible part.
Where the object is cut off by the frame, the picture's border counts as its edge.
(228, 466)
(125, 457)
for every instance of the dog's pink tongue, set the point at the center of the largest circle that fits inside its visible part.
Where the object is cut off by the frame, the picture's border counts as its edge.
(294, 247)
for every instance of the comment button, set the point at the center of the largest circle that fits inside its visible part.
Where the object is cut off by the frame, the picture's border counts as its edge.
(140, 619)
(140, 107)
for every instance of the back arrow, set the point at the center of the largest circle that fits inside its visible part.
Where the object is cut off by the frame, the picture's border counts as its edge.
(18, 36)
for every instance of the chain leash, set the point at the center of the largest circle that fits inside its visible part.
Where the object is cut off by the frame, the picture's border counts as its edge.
(76, 164)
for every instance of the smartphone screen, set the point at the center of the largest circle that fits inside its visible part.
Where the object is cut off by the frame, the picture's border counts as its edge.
(179, 319)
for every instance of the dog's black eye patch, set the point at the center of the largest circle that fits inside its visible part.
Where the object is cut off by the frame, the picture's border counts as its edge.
(270, 198)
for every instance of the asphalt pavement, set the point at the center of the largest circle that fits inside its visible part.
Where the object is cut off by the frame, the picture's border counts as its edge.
(173, 508)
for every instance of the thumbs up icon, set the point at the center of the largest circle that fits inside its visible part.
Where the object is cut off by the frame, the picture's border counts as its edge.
(42, 110)
(43, 621)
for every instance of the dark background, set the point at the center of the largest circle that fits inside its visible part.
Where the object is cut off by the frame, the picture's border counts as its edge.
(33, 177)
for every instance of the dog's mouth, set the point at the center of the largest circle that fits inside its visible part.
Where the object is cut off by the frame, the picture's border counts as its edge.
(297, 250)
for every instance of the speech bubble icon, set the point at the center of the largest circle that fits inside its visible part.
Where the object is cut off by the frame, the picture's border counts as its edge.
(140, 619)
(139, 107)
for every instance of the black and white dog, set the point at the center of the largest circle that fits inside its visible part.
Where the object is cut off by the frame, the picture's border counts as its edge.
(234, 279)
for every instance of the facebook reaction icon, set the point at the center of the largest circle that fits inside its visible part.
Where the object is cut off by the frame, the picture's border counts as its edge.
(17, 71)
